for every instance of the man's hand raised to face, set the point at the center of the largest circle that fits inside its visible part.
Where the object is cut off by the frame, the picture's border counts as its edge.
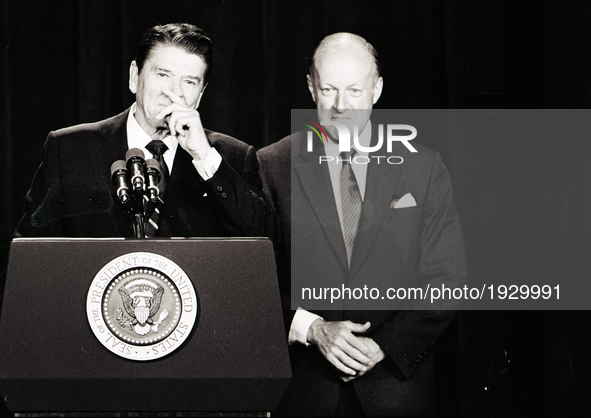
(185, 123)
(351, 354)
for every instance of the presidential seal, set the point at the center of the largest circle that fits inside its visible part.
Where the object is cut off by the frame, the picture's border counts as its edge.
(141, 306)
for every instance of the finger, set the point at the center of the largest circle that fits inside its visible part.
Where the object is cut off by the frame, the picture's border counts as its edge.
(172, 122)
(355, 327)
(183, 123)
(363, 372)
(353, 363)
(184, 115)
(348, 378)
(375, 360)
(335, 361)
(170, 109)
(173, 97)
(376, 356)
(371, 344)
(338, 337)
(352, 345)
(353, 357)
(358, 344)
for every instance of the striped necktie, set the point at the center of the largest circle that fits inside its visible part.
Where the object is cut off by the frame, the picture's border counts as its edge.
(351, 202)
(157, 148)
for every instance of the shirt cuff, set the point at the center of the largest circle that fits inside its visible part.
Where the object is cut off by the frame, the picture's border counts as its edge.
(300, 324)
(209, 165)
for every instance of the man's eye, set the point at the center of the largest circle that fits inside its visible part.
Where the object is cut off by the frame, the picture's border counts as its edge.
(191, 83)
(356, 92)
(162, 74)
(327, 90)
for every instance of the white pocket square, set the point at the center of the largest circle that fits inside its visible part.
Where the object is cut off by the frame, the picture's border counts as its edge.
(406, 201)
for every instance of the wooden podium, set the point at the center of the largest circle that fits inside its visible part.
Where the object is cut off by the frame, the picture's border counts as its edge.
(234, 359)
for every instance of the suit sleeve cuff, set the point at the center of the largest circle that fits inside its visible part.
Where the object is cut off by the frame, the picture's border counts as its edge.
(209, 165)
(300, 324)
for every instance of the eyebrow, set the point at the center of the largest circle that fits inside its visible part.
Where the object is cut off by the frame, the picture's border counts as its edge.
(165, 70)
(354, 85)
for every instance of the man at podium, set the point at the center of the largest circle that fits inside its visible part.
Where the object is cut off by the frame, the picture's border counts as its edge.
(209, 182)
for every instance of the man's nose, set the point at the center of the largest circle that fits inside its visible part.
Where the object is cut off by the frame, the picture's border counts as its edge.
(176, 87)
(340, 103)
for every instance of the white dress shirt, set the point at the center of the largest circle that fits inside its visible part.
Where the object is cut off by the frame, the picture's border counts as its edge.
(138, 138)
(302, 319)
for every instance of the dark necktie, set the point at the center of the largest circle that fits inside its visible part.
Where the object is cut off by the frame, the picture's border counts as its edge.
(157, 148)
(351, 202)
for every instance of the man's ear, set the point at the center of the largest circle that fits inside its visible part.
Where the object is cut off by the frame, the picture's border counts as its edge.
(201, 95)
(377, 89)
(311, 87)
(133, 76)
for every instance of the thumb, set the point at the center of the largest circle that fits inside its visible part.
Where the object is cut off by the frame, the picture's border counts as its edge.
(359, 328)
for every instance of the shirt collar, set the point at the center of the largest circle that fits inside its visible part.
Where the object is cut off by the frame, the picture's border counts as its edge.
(138, 138)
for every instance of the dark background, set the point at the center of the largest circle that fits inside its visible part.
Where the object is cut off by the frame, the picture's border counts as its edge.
(524, 205)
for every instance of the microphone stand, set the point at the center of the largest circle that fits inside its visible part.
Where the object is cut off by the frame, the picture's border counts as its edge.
(142, 177)
(127, 195)
(134, 209)
(139, 224)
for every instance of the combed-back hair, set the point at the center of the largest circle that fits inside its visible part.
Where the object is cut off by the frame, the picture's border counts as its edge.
(183, 35)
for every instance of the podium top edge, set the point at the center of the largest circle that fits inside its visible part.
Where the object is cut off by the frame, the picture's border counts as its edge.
(57, 239)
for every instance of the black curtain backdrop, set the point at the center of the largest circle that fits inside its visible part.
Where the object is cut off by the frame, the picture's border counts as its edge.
(66, 62)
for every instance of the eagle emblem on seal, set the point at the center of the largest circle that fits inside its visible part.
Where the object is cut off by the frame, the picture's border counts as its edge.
(141, 299)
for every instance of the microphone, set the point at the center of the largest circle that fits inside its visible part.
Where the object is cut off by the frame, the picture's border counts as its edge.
(135, 165)
(119, 178)
(153, 172)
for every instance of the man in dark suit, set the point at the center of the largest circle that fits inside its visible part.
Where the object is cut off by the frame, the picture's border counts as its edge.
(406, 233)
(213, 186)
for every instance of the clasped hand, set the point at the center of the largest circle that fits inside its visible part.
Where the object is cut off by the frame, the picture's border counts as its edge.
(185, 123)
(354, 355)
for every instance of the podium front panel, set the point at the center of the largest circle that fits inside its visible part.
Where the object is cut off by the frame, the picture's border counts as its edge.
(235, 358)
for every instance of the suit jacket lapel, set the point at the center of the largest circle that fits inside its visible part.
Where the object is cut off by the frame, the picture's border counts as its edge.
(381, 183)
(114, 145)
(316, 186)
(113, 148)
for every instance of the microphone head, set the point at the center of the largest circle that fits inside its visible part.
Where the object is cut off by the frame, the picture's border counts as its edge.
(152, 164)
(118, 165)
(134, 152)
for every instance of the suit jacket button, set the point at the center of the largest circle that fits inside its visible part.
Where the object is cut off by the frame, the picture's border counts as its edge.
(220, 188)
(224, 195)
